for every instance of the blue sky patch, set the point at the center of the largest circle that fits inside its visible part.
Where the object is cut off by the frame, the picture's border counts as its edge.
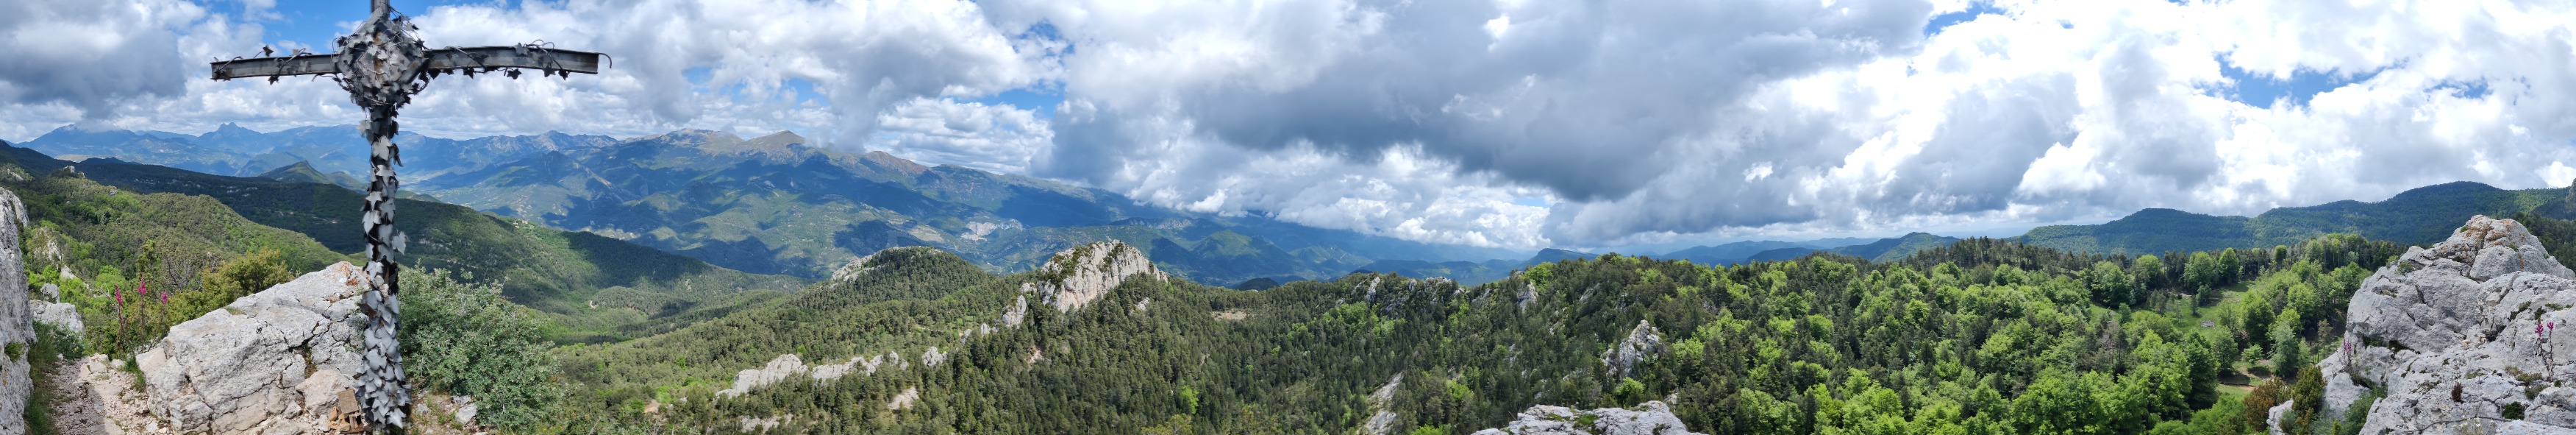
(1944, 21)
(1039, 99)
(316, 23)
(2261, 90)
(2469, 90)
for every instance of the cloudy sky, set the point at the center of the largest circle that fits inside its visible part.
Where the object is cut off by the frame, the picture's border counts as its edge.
(1512, 123)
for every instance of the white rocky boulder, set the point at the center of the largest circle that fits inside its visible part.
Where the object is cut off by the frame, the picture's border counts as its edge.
(61, 315)
(1643, 342)
(1077, 276)
(1651, 418)
(777, 370)
(277, 361)
(2455, 334)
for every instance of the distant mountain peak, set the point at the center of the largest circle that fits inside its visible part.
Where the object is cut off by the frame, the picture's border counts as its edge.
(899, 164)
(1551, 255)
(2444, 189)
(697, 138)
(780, 139)
(299, 165)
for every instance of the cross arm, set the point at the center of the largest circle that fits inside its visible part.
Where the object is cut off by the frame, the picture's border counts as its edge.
(551, 61)
(297, 65)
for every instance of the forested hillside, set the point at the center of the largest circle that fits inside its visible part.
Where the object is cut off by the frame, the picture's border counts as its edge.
(1982, 336)
(591, 285)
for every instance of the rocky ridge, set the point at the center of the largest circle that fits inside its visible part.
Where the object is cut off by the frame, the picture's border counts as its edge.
(1651, 418)
(1643, 342)
(279, 361)
(1073, 279)
(17, 326)
(1080, 275)
(788, 366)
(2459, 337)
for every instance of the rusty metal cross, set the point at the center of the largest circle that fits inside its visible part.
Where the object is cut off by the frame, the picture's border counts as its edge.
(381, 66)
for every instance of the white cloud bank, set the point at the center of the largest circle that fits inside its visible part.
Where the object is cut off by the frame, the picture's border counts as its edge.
(1425, 119)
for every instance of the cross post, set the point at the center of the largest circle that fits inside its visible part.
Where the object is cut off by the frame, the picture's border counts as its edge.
(381, 66)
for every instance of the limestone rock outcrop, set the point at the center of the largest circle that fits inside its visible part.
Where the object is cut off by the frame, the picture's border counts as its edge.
(278, 361)
(17, 325)
(61, 315)
(2458, 337)
(1080, 275)
(1382, 420)
(1651, 418)
(789, 366)
(1643, 342)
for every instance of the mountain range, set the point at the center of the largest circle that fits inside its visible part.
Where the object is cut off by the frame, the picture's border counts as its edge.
(775, 204)
(653, 316)
(2419, 216)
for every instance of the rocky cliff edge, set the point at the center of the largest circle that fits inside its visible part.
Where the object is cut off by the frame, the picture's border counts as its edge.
(2458, 337)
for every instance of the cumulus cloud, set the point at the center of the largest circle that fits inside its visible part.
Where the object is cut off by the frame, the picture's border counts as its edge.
(1649, 121)
(999, 138)
(1441, 120)
(828, 69)
(70, 60)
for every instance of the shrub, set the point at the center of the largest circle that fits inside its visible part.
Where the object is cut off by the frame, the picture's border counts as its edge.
(463, 339)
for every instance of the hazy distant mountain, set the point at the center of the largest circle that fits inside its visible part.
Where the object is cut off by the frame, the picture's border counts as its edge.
(1551, 255)
(1472, 272)
(1882, 250)
(236, 151)
(773, 204)
(1885, 250)
(1740, 252)
(302, 172)
(2420, 216)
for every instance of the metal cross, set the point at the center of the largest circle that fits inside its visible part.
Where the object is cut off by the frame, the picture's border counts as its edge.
(381, 66)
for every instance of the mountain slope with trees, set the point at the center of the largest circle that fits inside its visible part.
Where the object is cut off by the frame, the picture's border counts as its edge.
(592, 284)
(1978, 336)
